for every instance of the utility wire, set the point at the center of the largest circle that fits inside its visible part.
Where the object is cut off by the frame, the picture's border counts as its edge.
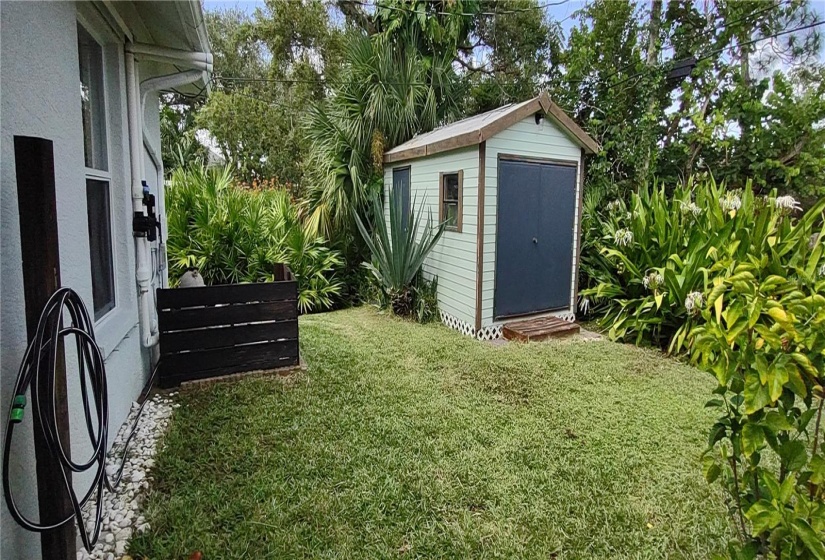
(742, 44)
(707, 31)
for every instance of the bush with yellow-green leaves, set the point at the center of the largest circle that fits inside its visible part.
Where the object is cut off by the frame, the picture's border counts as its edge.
(761, 332)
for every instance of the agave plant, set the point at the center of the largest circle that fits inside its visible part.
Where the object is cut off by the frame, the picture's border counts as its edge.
(398, 249)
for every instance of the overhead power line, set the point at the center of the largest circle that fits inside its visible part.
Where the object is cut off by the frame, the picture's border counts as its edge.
(321, 81)
(719, 50)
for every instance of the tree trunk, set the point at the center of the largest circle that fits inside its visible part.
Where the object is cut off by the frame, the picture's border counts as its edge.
(355, 14)
(653, 48)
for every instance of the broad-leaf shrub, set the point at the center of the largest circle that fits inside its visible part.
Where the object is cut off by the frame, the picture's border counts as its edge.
(233, 234)
(763, 337)
(647, 260)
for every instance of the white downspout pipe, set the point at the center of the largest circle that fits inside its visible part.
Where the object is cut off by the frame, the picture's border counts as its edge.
(136, 96)
(143, 273)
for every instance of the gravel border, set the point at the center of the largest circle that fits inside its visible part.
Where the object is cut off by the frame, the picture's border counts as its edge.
(121, 509)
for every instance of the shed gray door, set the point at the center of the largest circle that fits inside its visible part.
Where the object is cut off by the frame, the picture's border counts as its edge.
(534, 243)
(401, 188)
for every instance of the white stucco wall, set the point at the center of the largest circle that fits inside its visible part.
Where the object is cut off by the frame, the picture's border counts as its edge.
(39, 96)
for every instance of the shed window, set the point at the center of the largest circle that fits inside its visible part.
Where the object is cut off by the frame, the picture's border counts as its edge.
(451, 195)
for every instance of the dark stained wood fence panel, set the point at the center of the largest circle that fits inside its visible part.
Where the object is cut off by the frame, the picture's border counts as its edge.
(252, 356)
(233, 293)
(196, 318)
(218, 330)
(231, 335)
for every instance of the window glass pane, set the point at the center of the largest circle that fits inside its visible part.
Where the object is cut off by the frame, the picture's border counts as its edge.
(451, 186)
(450, 214)
(90, 54)
(100, 246)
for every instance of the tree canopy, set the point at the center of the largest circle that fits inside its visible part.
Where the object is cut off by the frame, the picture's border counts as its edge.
(670, 88)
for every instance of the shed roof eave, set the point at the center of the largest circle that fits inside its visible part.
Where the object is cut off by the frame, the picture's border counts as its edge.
(486, 130)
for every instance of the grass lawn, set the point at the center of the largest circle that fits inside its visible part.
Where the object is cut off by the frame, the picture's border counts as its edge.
(404, 441)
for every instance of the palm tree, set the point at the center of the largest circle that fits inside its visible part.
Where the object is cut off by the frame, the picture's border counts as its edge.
(386, 95)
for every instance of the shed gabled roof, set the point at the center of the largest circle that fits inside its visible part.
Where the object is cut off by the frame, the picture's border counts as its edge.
(477, 129)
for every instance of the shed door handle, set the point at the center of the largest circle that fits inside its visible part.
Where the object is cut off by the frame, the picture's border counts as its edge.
(535, 241)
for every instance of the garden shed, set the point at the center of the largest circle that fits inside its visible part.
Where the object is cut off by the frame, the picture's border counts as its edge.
(509, 184)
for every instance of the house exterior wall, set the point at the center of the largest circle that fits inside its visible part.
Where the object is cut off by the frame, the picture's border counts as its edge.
(453, 259)
(40, 97)
(527, 139)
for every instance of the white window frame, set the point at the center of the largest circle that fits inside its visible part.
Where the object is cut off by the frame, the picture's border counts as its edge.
(112, 327)
(104, 175)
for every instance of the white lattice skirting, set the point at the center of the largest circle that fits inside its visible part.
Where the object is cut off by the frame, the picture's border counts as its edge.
(566, 315)
(490, 332)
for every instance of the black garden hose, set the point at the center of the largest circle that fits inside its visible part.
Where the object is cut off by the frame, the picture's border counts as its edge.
(37, 376)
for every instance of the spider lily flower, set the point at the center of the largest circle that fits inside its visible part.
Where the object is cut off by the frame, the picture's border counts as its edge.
(694, 302)
(691, 208)
(623, 237)
(653, 280)
(730, 202)
(787, 203)
(614, 205)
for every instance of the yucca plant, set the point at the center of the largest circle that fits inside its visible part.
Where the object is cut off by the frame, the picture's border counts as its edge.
(232, 235)
(650, 263)
(398, 248)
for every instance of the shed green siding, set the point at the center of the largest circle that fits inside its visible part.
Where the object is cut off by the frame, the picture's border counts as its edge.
(453, 259)
(524, 139)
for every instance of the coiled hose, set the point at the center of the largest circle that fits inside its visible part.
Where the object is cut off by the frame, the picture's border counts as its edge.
(37, 375)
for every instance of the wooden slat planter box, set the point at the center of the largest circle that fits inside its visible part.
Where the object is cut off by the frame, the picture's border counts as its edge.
(218, 330)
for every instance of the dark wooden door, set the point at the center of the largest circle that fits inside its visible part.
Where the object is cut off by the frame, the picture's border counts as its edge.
(534, 240)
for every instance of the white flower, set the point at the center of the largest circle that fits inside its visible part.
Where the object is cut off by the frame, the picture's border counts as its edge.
(614, 205)
(653, 280)
(730, 201)
(623, 237)
(694, 302)
(691, 208)
(787, 203)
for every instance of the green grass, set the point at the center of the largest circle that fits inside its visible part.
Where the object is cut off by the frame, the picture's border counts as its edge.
(411, 441)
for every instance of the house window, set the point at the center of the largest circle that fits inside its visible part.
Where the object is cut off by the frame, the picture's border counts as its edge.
(98, 207)
(450, 199)
(100, 246)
